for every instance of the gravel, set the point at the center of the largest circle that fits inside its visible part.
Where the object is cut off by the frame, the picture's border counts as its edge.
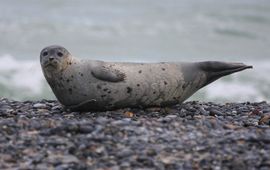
(194, 135)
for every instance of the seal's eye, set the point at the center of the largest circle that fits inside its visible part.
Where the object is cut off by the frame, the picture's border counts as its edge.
(60, 54)
(45, 54)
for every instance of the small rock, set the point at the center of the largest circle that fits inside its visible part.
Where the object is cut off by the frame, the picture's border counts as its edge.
(128, 114)
(57, 107)
(66, 159)
(151, 152)
(230, 126)
(214, 112)
(255, 112)
(265, 119)
(39, 106)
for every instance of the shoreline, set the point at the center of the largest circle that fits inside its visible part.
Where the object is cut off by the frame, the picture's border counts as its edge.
(194, 135)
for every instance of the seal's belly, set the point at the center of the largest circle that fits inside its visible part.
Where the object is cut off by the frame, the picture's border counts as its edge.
(143, 86)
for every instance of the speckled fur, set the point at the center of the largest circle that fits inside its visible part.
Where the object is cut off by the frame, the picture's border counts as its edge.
(96, 85)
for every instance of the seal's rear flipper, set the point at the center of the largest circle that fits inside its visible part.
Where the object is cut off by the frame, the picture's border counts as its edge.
(214, 69)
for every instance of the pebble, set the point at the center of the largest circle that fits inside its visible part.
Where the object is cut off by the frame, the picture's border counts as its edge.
(265, 119)
(194, 135)
(214, 112)
(39, 105)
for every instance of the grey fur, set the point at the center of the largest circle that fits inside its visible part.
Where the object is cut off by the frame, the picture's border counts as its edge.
(86, 85)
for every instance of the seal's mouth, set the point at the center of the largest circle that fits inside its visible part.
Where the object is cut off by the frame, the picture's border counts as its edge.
(51, 64)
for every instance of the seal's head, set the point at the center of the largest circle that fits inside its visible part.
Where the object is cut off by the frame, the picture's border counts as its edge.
(54, 58)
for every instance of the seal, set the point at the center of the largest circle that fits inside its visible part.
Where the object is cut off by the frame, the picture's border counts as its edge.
(92, 85)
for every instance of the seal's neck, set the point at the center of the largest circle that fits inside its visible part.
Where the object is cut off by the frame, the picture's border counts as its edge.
(68, 62)
(51, 74)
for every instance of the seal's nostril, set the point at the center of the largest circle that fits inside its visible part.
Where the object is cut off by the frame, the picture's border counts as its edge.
(51, 58)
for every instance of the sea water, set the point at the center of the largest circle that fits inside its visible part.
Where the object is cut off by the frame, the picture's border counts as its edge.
(138, 31)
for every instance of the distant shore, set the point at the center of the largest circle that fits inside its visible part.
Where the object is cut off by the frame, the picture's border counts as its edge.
(194, 135)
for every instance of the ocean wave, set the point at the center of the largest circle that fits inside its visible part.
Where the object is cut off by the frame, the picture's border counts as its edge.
(20, 79)
(233, 91)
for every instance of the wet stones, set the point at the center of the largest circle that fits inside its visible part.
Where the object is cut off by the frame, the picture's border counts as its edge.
(194, 135)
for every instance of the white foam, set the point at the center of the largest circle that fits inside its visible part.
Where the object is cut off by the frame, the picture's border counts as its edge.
(235, 91)
(25, 75)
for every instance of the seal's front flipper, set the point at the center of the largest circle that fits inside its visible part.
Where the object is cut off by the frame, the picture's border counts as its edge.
(214, 69)
(84, 106)
(108, 74)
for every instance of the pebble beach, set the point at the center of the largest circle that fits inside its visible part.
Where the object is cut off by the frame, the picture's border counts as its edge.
(194, 135)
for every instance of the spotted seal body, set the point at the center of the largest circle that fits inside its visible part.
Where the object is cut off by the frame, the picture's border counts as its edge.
(85, 85)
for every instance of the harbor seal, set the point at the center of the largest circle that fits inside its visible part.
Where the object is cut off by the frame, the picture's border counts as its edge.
(88, 85)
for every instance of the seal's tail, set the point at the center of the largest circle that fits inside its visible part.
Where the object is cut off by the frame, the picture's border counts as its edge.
(214, 69)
